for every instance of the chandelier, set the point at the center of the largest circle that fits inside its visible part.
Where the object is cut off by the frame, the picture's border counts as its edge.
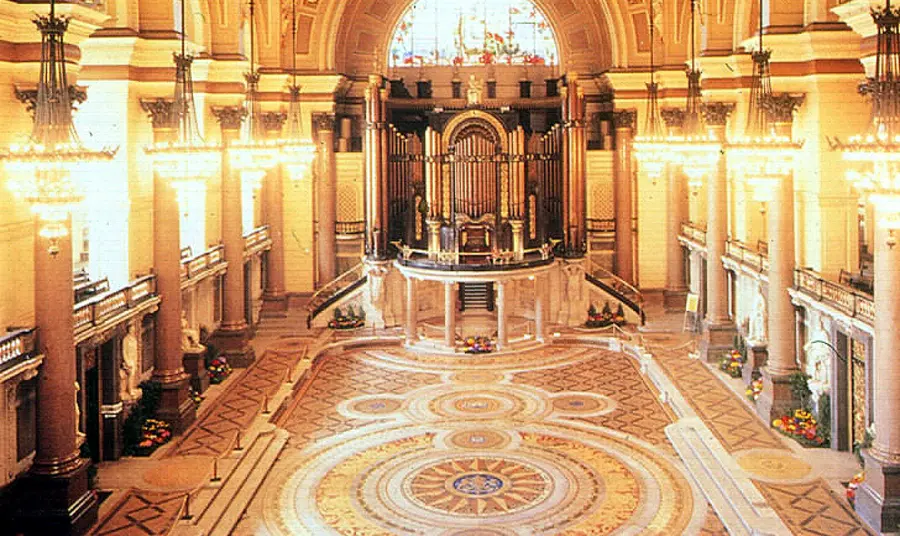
(297, 151)
(695, 151)
(186, 160)
(44, 171)
(763, 155)
(876, 155)
(651, 148)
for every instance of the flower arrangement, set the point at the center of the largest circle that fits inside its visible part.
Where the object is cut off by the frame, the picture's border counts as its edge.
(853, 484)
(196, 397)
(479, 345)
(153, 434)
(732, 363)
(218, 369)
(605, 317)
(801, 426)
(349, 320)
(755, 389)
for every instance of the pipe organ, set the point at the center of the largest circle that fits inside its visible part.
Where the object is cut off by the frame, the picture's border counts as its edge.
(472, 186)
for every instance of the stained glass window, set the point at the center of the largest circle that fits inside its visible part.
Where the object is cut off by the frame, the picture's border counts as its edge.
(473, 32)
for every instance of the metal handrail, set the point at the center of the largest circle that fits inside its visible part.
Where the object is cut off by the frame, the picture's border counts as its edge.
(600, 272)
(334, 286)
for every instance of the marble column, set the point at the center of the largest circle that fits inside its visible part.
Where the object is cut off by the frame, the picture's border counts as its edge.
(540, 305)
(175, 407)
(777, 397)
(718, 330)
(233, 335)
(53, 498)
(412, 310)
(375, 151)
(624, 176)
(676, 290)
(327, 198)
(878, 498)
(502, 320)
(574, 158)
(449, 314)
(518, 239)
(275, 302)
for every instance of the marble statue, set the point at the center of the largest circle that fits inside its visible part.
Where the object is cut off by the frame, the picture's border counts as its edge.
(756, 331)
(474, 92)
(818, 359)
(190, 338)
(79, 435)
(129, 372)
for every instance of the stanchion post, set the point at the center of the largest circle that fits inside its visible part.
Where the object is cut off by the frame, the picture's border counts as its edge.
(215, 475)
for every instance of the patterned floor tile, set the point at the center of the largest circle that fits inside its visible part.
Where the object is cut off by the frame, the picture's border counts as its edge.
(142, 513)
(811, 509)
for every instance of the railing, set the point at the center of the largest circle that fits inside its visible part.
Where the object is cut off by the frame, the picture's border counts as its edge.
(747, 256)
(485, 260)
(618, 287)
(96, 310)
(694, 233)
(842, 297)
(255, 237)
(16, 347)
(88, 289)
(349, 228)
(192, 267)
(326, 295)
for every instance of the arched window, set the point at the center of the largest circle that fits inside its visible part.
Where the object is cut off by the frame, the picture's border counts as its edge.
(473, 32)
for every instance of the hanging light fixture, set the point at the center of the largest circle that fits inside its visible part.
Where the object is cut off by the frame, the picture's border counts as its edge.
(186, 160)
(695, 151)
(44, 170)
(298, 151)
(253, 155)
(875, 155)
(763, 155)
(651, 149)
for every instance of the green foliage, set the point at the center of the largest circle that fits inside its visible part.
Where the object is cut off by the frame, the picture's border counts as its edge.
(859, 446)
(145, 409)
(823, 416)
(606, 310)
(592, 310)
(620, 312)
(800, 389)
(351, 313)
(337, 313)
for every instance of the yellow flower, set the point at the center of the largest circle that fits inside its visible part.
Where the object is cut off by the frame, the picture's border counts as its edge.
(777, 423)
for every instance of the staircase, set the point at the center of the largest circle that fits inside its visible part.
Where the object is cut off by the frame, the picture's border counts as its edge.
(476, 296)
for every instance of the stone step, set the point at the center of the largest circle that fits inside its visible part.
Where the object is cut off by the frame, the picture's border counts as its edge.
(738, 503)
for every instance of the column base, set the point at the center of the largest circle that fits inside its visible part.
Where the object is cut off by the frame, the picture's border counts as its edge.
(195, 366)
(757, 357)
(274, 305)
(175, 406)
(776, 399)
(59, 504)
(234, 345)
(715, 340)
(878, 497)
(674, 300)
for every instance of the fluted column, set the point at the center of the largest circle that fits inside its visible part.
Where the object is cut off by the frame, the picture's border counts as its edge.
(777, 396)
(575, 154)
(412, 310)
(502, 320)
(718, 329)
(232, 338)
(878, 497)
(375, 161)
(327, 198)
(275, 301)
(175, 406)
(449, 314)
(54, 497)
(624, 123)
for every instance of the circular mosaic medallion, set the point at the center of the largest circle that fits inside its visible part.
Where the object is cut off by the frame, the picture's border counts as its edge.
(476, 377)
(771, 465)
(478, 486)
(581, 404)
(376, 406)
(479, 439)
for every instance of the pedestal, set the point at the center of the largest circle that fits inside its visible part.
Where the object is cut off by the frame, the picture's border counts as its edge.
(274, 306)
(195, 367)
(175, 406)
(716, 340)
(876, 501)
(757, 356)
(234, 345)
(776, 399)
(674, 300)
(58, 504)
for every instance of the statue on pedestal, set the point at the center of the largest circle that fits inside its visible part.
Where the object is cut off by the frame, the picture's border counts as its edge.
(79, 435)
(818, 360)
(129, 371)
(190, 338)
(474, 92)
(756, 332)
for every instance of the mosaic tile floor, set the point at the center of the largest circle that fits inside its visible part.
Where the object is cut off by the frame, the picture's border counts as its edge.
(389, 442)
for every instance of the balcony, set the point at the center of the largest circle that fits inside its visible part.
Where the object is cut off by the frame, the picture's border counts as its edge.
(256, 241)
(105, 310)
(843, 299)
(207, 264)
(16, 348)
(754, 261)
(693, 236)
